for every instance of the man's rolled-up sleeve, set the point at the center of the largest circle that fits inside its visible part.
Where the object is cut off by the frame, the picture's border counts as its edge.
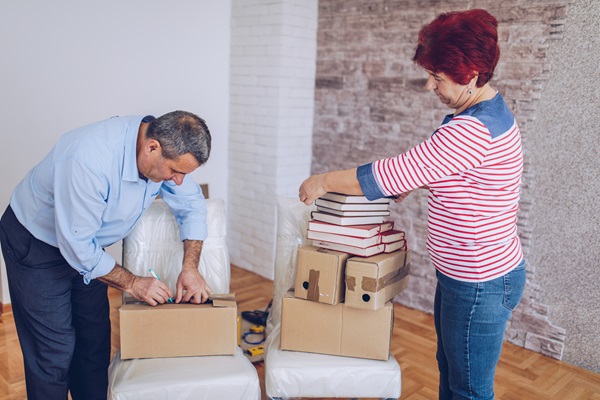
(188, 205)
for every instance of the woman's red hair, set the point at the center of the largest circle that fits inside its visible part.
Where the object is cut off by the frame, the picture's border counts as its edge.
(460, 44)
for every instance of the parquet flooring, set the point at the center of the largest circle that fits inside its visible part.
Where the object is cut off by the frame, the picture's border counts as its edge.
(521, 374)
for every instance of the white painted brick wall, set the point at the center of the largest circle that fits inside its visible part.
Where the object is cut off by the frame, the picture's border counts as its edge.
(272, 80)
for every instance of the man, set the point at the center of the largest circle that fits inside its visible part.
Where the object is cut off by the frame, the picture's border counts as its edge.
(85, 195)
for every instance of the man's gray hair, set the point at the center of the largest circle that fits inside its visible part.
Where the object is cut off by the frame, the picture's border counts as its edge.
(181, 132)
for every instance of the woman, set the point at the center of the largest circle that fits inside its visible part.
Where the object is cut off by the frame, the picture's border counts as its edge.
(472, 166)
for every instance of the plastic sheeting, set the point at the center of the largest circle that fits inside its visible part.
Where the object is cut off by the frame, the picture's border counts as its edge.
(154, 243)
(184, 378)
(290, 374)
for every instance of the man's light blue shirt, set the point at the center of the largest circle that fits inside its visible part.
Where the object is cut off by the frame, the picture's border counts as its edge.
(86, 194)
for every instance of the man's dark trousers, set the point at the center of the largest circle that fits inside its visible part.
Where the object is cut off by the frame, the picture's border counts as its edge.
(63, 324)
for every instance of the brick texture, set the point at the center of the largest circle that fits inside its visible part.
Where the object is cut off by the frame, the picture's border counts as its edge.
(273, 52)
(370, 103)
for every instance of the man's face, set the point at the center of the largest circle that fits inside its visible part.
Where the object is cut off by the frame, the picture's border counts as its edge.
(160, 168)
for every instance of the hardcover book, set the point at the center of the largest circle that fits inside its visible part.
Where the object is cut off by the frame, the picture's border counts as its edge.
(392, 236)
(363, 231)
(343, 213)
(340, 220)
(349, 240)
(357, 251)
(345, 198)
(395, 246)
(352, 206)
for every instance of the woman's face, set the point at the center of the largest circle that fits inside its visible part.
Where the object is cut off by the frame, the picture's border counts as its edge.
(452, 94)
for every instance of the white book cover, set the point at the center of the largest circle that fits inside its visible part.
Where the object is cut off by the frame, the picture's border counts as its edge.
(346, 198)
(352, 206)
(395, 246)
(339, 220)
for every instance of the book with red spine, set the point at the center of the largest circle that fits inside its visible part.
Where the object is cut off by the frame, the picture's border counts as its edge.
(392, 235)
(342, 239)
(356, 251)
(363, 231)
(344, 213)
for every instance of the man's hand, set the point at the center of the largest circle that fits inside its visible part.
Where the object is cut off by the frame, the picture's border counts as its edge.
(195, 287)
(147, 289)
(150, 290)
(189, 280)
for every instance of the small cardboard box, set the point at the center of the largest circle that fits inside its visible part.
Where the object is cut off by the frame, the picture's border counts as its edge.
(336, 329)
(373, 281)
(177, 330)
(320, 275)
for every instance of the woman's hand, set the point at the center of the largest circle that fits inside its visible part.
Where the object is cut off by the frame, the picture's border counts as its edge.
(343, 181)
(311, 189)
(402, 196)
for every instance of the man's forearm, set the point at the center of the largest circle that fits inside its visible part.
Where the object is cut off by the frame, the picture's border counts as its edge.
(192, 249)
(119, 278)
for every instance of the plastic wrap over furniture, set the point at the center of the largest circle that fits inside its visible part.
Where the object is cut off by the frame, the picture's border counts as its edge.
(184, 378)
(290, 374)
(154, 243)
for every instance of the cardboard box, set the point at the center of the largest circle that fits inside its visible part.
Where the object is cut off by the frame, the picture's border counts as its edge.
(320, 275)
(373, 281)
(177, 330)
(336, 329)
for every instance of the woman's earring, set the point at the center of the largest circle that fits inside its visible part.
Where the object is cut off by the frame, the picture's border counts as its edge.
(470, 92)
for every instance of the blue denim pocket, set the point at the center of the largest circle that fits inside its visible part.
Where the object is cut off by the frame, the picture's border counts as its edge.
(514, 285)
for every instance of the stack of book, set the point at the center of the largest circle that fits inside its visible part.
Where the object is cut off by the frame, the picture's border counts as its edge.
(354, 225)
(344, 210)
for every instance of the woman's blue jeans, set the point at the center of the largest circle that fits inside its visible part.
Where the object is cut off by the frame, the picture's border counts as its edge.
(470, 320)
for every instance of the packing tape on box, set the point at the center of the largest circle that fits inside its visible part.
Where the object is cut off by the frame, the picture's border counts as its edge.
(374, 285)
(313, 293)
(350, 283)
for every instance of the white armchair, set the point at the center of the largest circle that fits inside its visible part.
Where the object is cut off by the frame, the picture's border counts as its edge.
(154, 242)
(290, 374)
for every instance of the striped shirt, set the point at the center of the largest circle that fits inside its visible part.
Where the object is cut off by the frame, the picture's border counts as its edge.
(473, 165)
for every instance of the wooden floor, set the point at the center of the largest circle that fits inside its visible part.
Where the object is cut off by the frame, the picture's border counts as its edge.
(521, 375)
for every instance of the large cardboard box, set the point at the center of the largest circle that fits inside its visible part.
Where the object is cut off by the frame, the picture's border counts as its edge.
(320, 275)
(373, 281)
(336, 329)
(176, 330)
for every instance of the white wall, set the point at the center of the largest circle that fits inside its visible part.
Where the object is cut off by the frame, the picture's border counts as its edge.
(67, 63)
